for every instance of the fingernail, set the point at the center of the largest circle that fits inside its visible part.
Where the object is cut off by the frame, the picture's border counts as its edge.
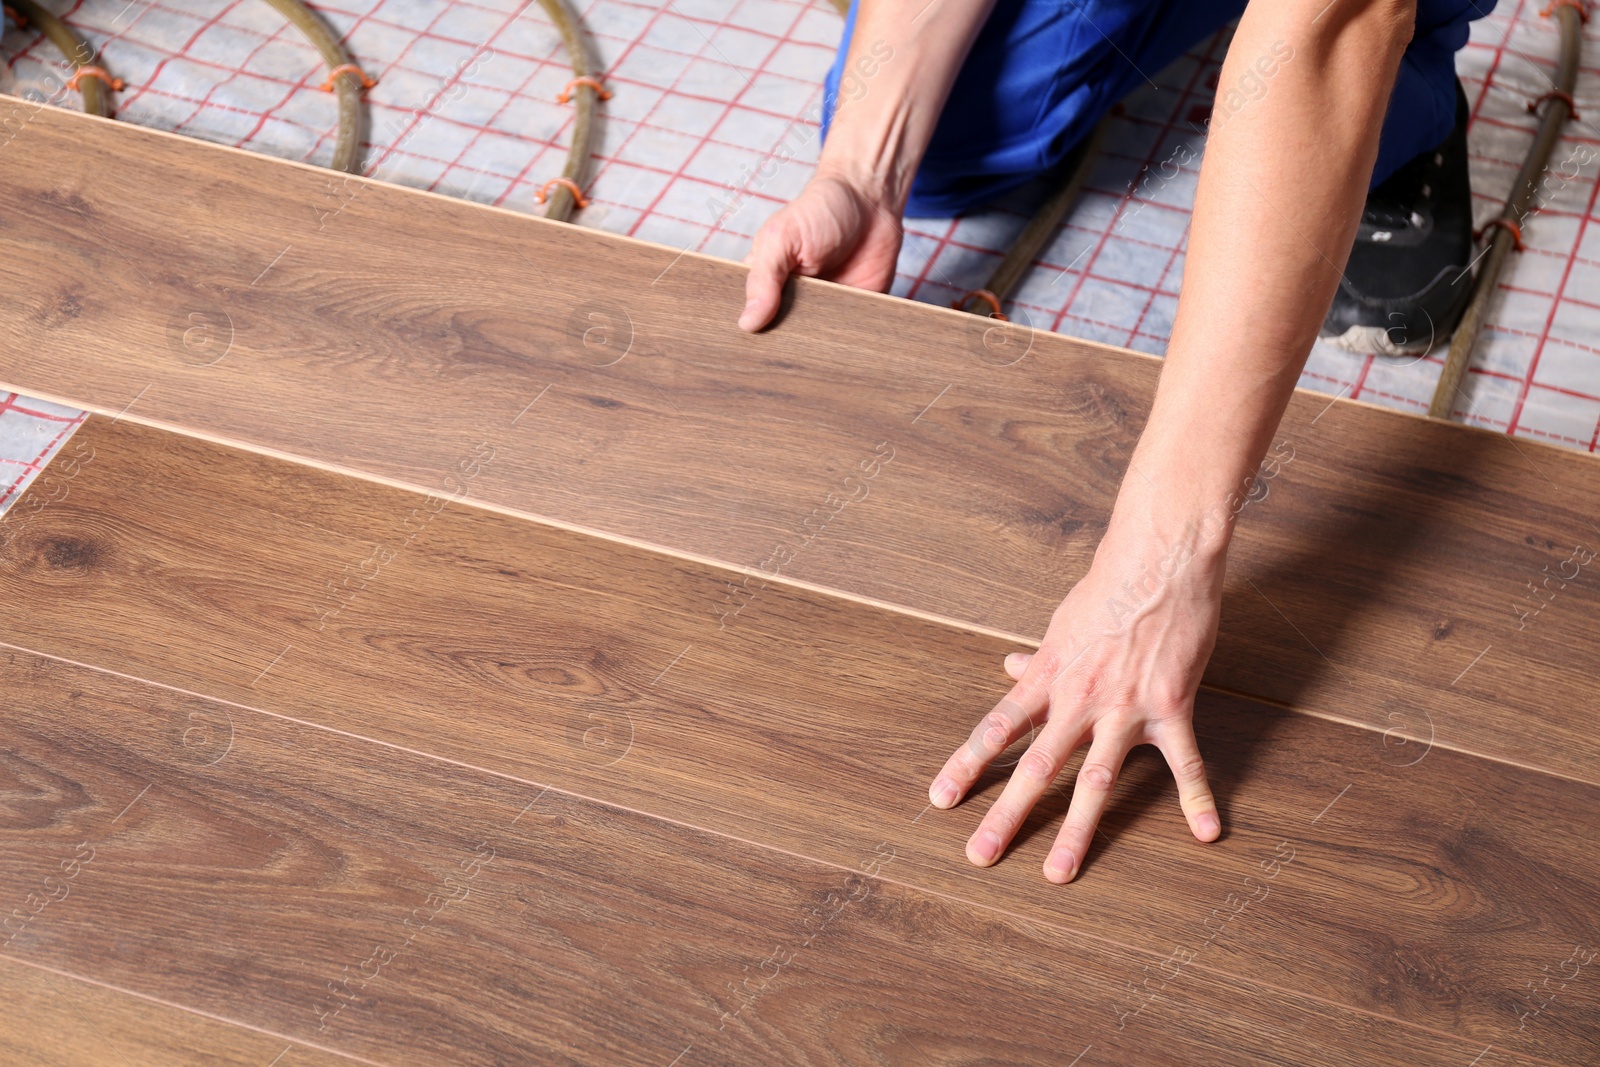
(1062, 862)
(944, 793)
(1207, 824)
(985, 846)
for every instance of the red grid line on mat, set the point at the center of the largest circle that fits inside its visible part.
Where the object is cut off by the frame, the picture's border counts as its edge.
(1549, 322)
(709, 137)
(431, 33)
(728, 110)
(1527, 380)
(1178, 103)
(562, 133)
(222, 12)
(426, 111)
(941, 242)
(33, 466)
(129, 100)
(1472, 117)
(644, 123)
(947, 240)
(300, 86)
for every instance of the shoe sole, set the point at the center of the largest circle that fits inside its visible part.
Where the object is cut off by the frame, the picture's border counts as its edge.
(1374, 340)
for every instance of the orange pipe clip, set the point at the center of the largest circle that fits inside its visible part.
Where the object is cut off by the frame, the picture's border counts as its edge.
(577, 194)
(593, 83)
(1556, 5)
(987, 297)
(347, 68)
(1508, 225)
(88, 70)
(1554, 94)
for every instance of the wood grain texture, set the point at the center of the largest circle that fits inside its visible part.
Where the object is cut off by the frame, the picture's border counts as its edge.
(410, 911)
(392, 332)
(57, 1020)
(1427, 885)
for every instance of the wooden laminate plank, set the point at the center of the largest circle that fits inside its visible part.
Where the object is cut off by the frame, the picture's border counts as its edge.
(60, 1020)
(409, 911)
(1428, 884)
(898, 452)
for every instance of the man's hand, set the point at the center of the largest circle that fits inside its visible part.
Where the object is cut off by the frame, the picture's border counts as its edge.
(833, 230)
(1273, 223)
(1119, 666)
(845, 225)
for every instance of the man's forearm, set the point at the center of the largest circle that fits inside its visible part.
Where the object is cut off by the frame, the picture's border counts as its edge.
(904, 57)
(1279, 200)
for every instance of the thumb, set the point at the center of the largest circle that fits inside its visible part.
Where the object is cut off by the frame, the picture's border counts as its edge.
(1016, 664)
(772, 257)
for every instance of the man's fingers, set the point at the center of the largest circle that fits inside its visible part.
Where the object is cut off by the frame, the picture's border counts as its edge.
(771, 261)
(1018, 712)
(1182, 753)
(1035, 772)
(1090, 795)
(1017, 664)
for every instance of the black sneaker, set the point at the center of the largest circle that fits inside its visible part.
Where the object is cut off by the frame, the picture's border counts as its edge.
(1408, 279)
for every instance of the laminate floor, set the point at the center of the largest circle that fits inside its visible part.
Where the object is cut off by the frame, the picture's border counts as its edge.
(899, 454)
(58, 1020)
(318, 764)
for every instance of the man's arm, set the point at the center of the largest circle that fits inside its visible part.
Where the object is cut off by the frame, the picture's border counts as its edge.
(845, 225)
(1279, 199)
(1276, 211)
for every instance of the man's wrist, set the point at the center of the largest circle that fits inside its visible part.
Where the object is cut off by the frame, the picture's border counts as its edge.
(1149, 557)
(1203, 456)
(1196, 535)
(879, 185)
(1180, 501)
